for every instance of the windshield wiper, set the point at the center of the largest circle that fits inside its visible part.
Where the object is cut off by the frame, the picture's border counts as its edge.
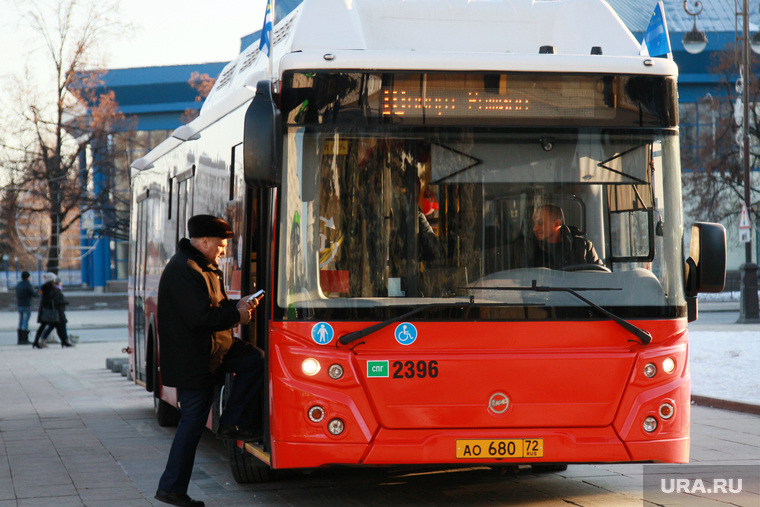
(358, 335)
(644, 337)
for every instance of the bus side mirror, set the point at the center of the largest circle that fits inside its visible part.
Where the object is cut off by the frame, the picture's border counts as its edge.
(262, 139)
(706, 265)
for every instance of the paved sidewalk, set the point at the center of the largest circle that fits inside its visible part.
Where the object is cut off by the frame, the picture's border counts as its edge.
(72, 433)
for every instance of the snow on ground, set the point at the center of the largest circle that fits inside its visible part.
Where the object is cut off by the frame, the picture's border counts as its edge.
(726, 364)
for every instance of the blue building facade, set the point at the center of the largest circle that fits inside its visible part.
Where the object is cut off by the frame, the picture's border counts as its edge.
(157, 100)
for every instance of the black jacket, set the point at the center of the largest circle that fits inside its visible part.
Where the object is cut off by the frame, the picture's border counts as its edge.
(52, 297)
(573, 250)
(24, 293)
(195, 320)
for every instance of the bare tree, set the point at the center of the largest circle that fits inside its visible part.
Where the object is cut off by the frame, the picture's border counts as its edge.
(201, 83)
(714, 186)
(57, 117)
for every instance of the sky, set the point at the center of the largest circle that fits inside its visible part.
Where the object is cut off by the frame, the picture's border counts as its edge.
(168, 32)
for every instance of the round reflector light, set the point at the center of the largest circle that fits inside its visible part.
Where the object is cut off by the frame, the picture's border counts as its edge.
(316, 413)
(335, 426)
(667, 410)
(668, 365)
(650, 370)
(310, 366)
(335, 371)
(650, 424)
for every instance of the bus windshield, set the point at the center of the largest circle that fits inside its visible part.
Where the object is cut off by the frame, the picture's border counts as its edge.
(375, 220)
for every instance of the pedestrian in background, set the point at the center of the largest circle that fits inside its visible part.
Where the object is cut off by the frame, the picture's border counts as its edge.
(52, 314)
(24, 294)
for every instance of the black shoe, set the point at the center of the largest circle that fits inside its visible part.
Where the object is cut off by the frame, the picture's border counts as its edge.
(177, 499)
(237, 433)
(66, 344)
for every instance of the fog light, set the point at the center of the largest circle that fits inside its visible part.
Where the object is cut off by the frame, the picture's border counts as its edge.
(650, 370)
(335, 426)
(650, 424)
(667, 410)
(316, 413)
(668, 365)
(335, 371)
(310, 367)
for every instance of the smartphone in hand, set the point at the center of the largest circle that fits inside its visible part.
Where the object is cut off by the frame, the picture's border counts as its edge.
(255, 295)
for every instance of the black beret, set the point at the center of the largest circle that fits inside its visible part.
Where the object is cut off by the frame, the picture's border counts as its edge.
(208, 226)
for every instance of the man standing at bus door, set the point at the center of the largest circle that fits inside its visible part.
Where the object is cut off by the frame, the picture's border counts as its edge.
(197, 347)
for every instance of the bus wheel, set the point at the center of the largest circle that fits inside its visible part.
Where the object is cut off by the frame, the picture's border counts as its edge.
(542, 469)
(166, 415)
(246, 469)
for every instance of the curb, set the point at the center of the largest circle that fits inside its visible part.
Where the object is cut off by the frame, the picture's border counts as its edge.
(735, 406)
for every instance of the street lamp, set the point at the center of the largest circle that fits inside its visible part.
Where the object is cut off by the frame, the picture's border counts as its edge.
(748, 310)
(694, 41)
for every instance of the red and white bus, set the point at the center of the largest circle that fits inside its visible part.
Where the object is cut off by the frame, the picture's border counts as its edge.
(382, 185)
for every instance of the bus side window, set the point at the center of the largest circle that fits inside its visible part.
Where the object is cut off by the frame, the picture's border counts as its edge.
(182, 201)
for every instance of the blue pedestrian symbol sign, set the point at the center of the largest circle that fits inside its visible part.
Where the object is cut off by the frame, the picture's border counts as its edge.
(322, 333)
(405, 333)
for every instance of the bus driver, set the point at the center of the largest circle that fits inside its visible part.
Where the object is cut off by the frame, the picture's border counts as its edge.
(553, 244)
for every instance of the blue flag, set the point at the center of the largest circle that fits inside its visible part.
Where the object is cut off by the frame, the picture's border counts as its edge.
(265, 43)
(656, 39)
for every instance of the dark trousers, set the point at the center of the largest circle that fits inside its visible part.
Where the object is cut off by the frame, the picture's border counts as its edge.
(46, 328)
(247, 363)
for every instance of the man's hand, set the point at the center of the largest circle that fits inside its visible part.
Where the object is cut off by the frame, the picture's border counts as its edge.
(245, 306)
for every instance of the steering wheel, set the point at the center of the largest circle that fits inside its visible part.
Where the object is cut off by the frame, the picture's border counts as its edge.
(587, 267)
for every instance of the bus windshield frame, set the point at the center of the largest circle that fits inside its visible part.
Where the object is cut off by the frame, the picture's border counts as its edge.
(380, 215)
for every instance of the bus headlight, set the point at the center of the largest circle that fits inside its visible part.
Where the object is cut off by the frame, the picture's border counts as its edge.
(650, 370)
(667, 410)
(335, 426)
(310, 367)
(650, 424)
(335, 371)
(316, 413)
(668, 365)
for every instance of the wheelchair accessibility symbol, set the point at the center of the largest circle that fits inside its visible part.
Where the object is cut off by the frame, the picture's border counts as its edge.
(405, 333)
(322, 333)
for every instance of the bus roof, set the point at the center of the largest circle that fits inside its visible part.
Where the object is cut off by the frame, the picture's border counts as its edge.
(430, 35)
(437, 35)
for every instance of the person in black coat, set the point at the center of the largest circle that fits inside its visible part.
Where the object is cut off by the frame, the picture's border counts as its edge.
(553, 244)
(52, 313)
(197, 347)
(24, 294)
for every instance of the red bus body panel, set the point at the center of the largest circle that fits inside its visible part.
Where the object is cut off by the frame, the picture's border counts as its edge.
(579, 386)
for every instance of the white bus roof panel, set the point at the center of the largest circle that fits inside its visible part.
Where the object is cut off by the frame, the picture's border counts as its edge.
(453, 62)
(505, 26)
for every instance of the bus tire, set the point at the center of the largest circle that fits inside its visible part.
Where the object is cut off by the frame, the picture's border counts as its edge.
(544, 469)
(166, 415)
(246, 469)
